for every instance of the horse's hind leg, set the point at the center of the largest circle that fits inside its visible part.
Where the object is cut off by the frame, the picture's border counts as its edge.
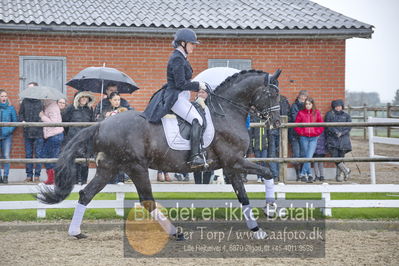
(103, 176)
(139, 176)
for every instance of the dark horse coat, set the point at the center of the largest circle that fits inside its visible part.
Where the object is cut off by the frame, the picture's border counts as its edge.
(179, 73)
(130, 143)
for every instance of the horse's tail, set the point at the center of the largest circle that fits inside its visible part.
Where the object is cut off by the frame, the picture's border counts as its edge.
(80, 145)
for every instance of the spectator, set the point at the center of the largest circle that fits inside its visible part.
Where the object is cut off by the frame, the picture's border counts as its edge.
(112, 87)
(203, 177)
(258, 142)
(114, 107)
(338, 138)
(308, 135)
(179, 177)
(161, 175)
(53, 136)
(33, 136)
(80, 111)
(274, 139)
(7, 114)
(62, 105)
(292, 135)
(320, 152)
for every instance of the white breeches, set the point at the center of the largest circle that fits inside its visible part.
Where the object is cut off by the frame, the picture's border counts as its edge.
(185, 109)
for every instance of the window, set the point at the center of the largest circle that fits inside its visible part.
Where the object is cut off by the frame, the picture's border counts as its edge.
(240, 64)
(46, 70)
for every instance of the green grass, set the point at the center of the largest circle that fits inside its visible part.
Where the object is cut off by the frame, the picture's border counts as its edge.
(93, 214)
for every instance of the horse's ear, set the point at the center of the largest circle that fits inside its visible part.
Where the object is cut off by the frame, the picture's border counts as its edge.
(276, 74)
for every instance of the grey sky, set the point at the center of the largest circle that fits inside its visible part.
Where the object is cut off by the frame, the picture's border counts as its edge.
(372, 64)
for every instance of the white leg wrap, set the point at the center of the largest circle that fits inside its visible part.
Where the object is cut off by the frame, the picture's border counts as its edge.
(163, 221)
(74, 227)
(260, 234)
(269, 189)
(249, 217)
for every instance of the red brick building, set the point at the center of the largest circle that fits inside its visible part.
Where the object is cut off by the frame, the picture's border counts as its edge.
(51, 41)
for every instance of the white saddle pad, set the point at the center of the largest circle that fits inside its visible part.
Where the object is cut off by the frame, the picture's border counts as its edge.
(176, 141)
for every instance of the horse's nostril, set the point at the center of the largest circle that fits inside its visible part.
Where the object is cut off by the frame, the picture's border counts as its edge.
(277, 123)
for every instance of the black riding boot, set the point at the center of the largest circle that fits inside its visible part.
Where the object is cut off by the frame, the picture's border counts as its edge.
(196, 158)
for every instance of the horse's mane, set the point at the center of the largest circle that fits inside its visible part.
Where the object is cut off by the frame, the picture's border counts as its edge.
(236, 78)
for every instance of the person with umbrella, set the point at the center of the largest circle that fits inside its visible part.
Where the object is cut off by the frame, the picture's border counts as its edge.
(33, 136)
(175, 95)
(105, 103)
(100, 79)
(53, 136)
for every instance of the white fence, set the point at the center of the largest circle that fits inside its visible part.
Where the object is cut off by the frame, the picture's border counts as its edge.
(281, 190)
(375, 139)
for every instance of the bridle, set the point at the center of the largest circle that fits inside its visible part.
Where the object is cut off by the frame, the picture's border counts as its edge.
(269, 90)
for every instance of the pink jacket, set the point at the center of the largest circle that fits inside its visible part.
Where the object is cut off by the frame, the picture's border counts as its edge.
(52, 114)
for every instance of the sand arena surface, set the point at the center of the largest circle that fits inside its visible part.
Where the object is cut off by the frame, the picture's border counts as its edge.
(33, 244)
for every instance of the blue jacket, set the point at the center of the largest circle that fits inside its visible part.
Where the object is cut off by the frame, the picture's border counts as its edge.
(7, 114)
(179, 74)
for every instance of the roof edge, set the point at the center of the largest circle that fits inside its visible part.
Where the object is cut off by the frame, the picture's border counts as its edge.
(343, 33)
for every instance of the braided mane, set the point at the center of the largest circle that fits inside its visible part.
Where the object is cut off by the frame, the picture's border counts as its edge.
(236, 78)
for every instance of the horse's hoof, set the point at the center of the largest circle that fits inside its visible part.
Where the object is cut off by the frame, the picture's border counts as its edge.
(270, 210)
(80, 236)
(260, 234)
(178, 237)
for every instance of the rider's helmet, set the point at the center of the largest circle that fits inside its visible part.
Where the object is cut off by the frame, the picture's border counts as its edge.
(184, 35)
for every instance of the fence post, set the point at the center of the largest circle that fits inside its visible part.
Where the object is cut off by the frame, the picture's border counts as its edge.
(40, 213)
(371, 153)
(120, 196)
(326, 196)
(281, 195)
(284, 148)
(365, 115)
(388, 116)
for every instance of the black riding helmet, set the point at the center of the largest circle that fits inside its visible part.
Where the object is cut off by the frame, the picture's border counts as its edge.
(184, 35)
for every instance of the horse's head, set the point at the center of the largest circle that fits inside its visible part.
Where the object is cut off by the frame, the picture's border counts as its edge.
(266, 100)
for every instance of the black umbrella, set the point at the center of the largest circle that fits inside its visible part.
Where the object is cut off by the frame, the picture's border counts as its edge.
(96, 79)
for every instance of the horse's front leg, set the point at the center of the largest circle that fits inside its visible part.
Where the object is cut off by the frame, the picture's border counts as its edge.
(253, 168)
(238, 186)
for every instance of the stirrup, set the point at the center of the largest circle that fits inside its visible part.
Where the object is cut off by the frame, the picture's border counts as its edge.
(197, 164)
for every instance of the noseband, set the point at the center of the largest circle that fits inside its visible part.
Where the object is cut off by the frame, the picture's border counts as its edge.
(270, 90)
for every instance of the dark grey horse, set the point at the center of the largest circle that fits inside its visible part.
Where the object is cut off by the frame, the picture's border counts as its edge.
(127, 142)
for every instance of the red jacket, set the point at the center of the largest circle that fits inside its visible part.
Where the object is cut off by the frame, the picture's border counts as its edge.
(308, 116)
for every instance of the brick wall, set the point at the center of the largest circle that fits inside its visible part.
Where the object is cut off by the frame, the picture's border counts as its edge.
(315, 65)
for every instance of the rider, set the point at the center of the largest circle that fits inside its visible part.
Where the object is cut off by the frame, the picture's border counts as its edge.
(175, 95)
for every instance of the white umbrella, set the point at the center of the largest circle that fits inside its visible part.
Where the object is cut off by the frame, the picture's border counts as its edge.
(216, 75)
(41, 93)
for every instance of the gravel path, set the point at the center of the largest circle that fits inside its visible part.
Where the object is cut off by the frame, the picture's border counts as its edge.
(105, 247)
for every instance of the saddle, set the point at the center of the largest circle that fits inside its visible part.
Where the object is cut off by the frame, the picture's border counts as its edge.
(177, 130)
(185, 127)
